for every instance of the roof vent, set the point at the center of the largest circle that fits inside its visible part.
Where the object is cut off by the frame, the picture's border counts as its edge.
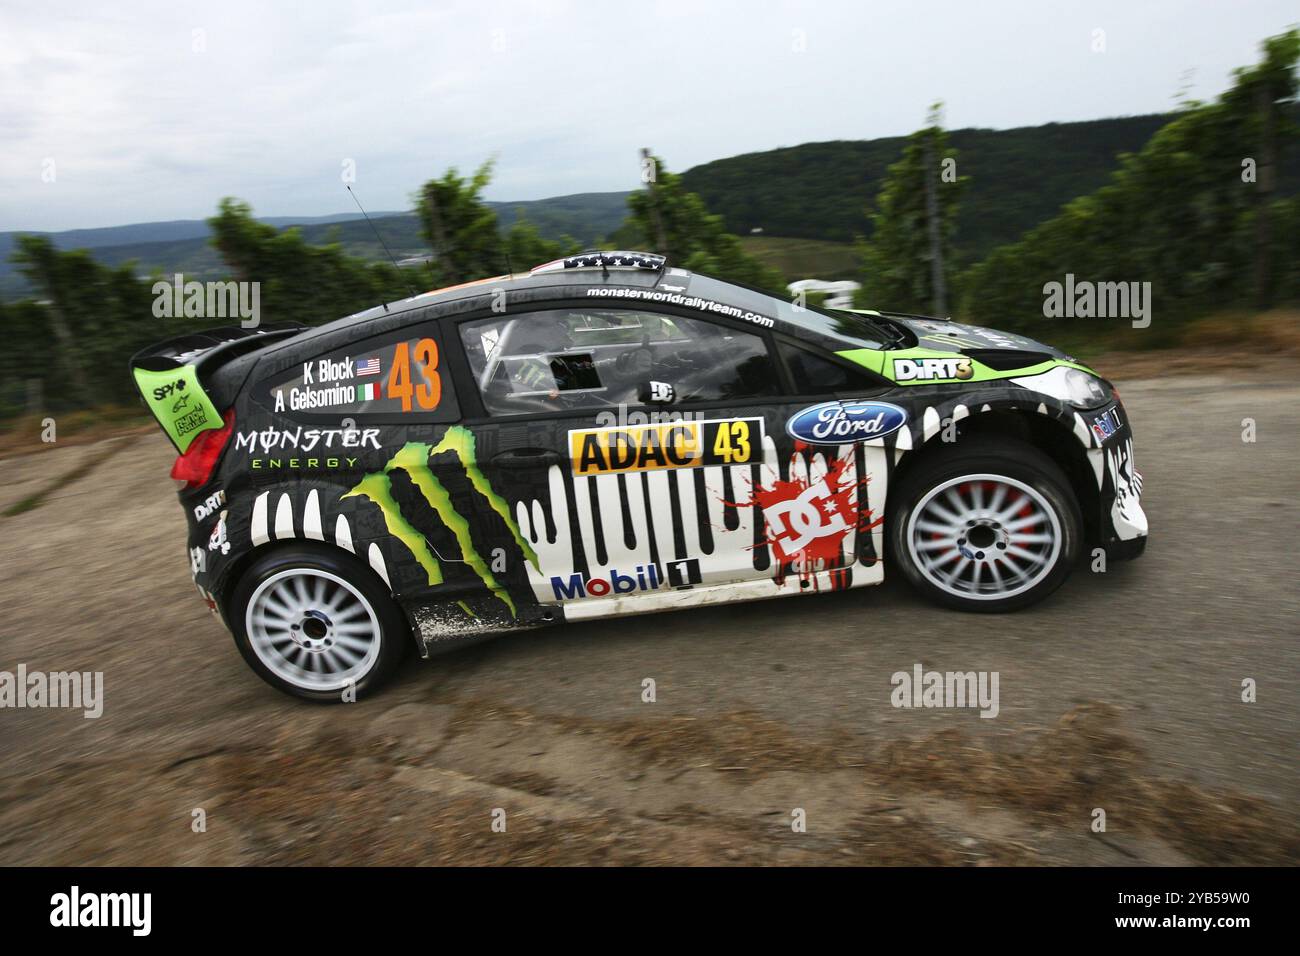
(596, 259)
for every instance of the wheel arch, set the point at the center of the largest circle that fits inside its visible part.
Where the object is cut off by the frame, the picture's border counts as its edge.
(236, 569)
(1050, 434)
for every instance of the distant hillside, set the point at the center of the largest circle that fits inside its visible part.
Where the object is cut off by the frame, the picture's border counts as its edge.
(176, 230)
(818, 191)
(182, 245)
(1019, 178)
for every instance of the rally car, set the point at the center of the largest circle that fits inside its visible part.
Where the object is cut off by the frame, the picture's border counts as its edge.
(610, 435)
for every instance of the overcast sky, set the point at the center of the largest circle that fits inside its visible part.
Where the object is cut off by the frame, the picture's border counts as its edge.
(158, 112)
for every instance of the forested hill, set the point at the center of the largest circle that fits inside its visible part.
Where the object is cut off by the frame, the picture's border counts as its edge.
(1018, 178)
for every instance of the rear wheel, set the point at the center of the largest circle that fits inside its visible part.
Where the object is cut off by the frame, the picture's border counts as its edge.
(317, 624)
(990, 525)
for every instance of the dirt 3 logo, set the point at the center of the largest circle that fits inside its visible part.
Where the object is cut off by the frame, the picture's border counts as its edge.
(931, 369)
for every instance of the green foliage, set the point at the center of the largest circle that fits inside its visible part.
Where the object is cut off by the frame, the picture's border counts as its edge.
(804, 258)
(526, 247)
(460, 229)
(75, 339)
(1018, 178)
(301, 282)
(898, 260)
(466, 238)
(669, 219)
(1178, 214)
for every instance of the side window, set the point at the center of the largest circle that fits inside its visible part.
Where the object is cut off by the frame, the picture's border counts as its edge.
(815, 375)
(594, 358)
(393, 377)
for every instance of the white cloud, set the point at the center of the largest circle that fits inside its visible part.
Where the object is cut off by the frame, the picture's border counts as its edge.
(141, 126)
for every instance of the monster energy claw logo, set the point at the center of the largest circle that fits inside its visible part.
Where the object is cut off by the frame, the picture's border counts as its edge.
(414, 458)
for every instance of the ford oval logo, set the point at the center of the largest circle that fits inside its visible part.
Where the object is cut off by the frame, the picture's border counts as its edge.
(838, 423)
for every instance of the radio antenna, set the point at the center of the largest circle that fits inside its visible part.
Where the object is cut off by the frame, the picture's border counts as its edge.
(409, 287)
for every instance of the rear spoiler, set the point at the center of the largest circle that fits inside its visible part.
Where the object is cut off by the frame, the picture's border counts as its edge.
(173, 376)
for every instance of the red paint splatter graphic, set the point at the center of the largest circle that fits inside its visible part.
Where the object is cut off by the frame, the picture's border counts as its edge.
(808, 522)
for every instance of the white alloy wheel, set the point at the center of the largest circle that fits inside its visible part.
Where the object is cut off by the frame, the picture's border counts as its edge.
(984, 537)
(313, 629)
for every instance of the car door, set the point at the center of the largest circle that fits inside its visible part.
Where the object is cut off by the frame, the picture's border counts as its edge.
(642, 452)
(364, 450)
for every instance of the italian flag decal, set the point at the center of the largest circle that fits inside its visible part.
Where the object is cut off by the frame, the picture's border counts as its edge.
(368, 392)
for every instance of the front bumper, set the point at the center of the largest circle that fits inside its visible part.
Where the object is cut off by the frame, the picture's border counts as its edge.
(1127, 550)
(1123, 522)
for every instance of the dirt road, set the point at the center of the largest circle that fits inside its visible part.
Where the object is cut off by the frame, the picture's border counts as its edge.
(1123, 692)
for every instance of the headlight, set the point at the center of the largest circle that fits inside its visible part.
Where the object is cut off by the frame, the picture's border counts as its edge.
(1084, 390)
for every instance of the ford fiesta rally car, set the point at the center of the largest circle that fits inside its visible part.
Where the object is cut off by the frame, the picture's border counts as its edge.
(609, 435)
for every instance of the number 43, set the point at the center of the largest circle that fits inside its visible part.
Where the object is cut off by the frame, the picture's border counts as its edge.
(732, 443)
(428, 392)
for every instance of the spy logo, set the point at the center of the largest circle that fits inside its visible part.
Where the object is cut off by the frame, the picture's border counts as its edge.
(932, 369)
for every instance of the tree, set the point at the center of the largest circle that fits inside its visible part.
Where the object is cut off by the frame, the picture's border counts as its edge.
(460, 229)
(1261, 95)
(526, 248)
(908, 260)
(301, 282)
(90, 320)
(668, 219)
(1182, 214)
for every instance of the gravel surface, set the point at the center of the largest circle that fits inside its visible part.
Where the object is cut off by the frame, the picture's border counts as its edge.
(1123, 692)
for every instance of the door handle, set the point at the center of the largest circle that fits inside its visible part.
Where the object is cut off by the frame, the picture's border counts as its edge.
(526, 458)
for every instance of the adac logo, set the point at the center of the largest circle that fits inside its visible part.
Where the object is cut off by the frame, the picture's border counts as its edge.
(932, 369)
(838, 423)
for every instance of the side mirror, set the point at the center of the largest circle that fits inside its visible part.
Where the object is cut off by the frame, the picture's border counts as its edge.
(656, 393)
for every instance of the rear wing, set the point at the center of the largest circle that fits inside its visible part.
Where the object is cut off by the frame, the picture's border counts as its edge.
(174, 377)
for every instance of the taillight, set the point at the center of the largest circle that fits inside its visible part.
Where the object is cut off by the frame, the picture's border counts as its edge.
(195, 466)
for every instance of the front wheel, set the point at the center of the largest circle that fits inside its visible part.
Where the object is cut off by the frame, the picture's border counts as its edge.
(316, 623)
(991, 525)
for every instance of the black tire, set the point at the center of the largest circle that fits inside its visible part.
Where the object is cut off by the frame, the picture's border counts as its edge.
(926, 555)
(342, 578)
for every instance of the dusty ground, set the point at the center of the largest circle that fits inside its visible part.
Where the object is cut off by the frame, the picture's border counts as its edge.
(1122, 692)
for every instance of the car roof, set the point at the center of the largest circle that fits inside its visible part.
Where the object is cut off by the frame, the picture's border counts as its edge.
(569, 278)
(549, 281)
(584, 271)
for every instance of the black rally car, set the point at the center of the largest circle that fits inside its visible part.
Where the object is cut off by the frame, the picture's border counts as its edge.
(608, 435)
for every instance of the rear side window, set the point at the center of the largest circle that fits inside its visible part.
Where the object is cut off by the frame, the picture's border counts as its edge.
(578, 359)
(814, 374)
(395, 378)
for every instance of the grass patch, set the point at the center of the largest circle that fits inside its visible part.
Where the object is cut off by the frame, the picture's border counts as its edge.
(804, 258)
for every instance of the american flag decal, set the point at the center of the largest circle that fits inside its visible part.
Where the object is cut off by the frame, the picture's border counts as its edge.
(368, 367)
